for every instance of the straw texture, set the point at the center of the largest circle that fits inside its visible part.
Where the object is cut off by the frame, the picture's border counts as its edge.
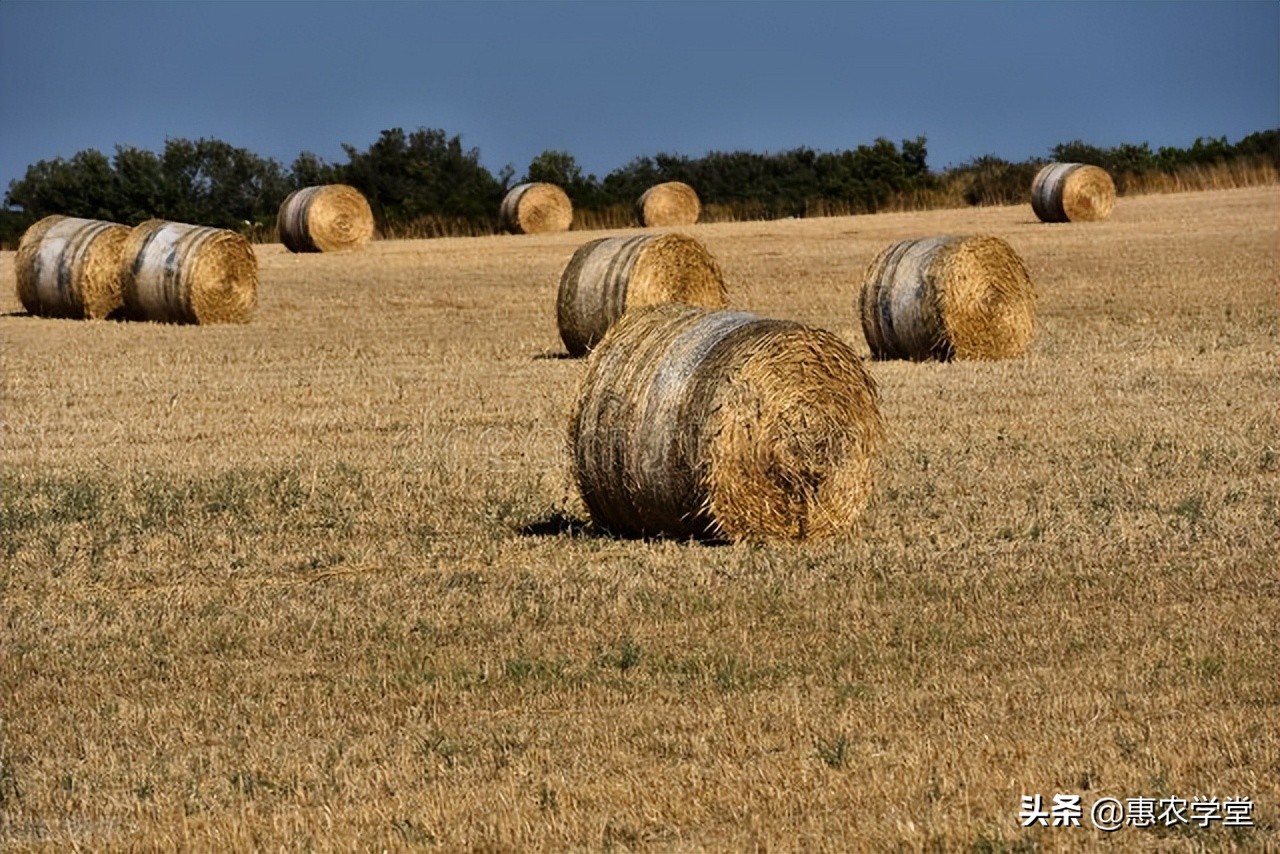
(179, 273)
(724, 425)
(609, 276)
(672, 203)
(947, 298)
(536, 208)
(70, 267)
(1072, 192)
(326, 218)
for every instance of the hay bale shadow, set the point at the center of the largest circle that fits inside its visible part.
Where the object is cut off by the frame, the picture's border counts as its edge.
(557, 523)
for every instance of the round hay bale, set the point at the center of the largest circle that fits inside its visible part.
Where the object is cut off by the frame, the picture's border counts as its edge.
(670, 203)
(179, 273)
(606, 277)
(948, 297)
(724, 425)
(326, 218)
(70, 267)
(1072, 192)
(536, 208)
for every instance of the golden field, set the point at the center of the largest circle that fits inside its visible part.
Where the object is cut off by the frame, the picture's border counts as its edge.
(322, 581)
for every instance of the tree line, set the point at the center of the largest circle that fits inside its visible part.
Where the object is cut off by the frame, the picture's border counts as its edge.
(428, 176)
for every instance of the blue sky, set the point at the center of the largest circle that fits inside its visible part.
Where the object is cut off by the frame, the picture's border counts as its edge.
(610, 81)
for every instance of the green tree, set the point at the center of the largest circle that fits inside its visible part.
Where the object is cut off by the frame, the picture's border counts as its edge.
(140, 177)
(208, 182)
(561, 168)
(425, 173)
(1264, 144)
(84, 186)
(308, 170)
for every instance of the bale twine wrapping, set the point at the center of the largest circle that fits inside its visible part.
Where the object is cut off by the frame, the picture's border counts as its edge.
(606, 277)
(326, 218)
(179, 273)
(70, 267)
(948, 297)
(670, 203)
(724, 425)
(1072, 192)
(536, 208)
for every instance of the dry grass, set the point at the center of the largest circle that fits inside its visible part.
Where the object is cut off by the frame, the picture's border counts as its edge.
(320, 581)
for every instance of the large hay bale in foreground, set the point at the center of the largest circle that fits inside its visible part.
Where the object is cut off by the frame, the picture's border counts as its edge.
(948, 298)
(724, 425)
(325, 218)
(1072, 192)
(70, 267)
(669, 203)
(536, 208)
(606, 277)
(179, 273)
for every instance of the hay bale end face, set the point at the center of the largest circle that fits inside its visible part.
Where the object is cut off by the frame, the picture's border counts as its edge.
(948, 298)
(1072, 192)
(173, 272)
(536, 208)
(724, 425)
(70, 267)
(609, 276)
(672, 203)
(326, 218)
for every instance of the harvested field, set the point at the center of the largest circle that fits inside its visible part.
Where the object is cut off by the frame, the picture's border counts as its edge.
(323, 580)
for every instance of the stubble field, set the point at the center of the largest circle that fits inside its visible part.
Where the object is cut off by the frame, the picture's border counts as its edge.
(322, 581)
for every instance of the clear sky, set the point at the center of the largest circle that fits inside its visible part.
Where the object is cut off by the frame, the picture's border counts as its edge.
(610, 81)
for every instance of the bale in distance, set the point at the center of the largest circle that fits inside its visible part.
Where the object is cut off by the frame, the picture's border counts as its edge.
(724, 425)
(325, 218)
(608, 276)
(70, 267)
(672, 203)
(948, 298)
(1072, 192)
(536, 208)
(174, 272)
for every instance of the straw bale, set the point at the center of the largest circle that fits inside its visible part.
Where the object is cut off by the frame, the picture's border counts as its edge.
(536, 208)
(672, 203)
(724, 425)
(325, 218)
(179, 273)
(70, 267)
(948, 297)
(608, 276)
(1072, 192)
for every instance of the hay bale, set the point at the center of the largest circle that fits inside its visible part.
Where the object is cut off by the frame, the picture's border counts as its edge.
(669, 203)
(724, 425)
(326, 218)
(606, 277)
(179, 273)
(536, 208)
(70, 267)
(1072, 192)
(948, 297)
